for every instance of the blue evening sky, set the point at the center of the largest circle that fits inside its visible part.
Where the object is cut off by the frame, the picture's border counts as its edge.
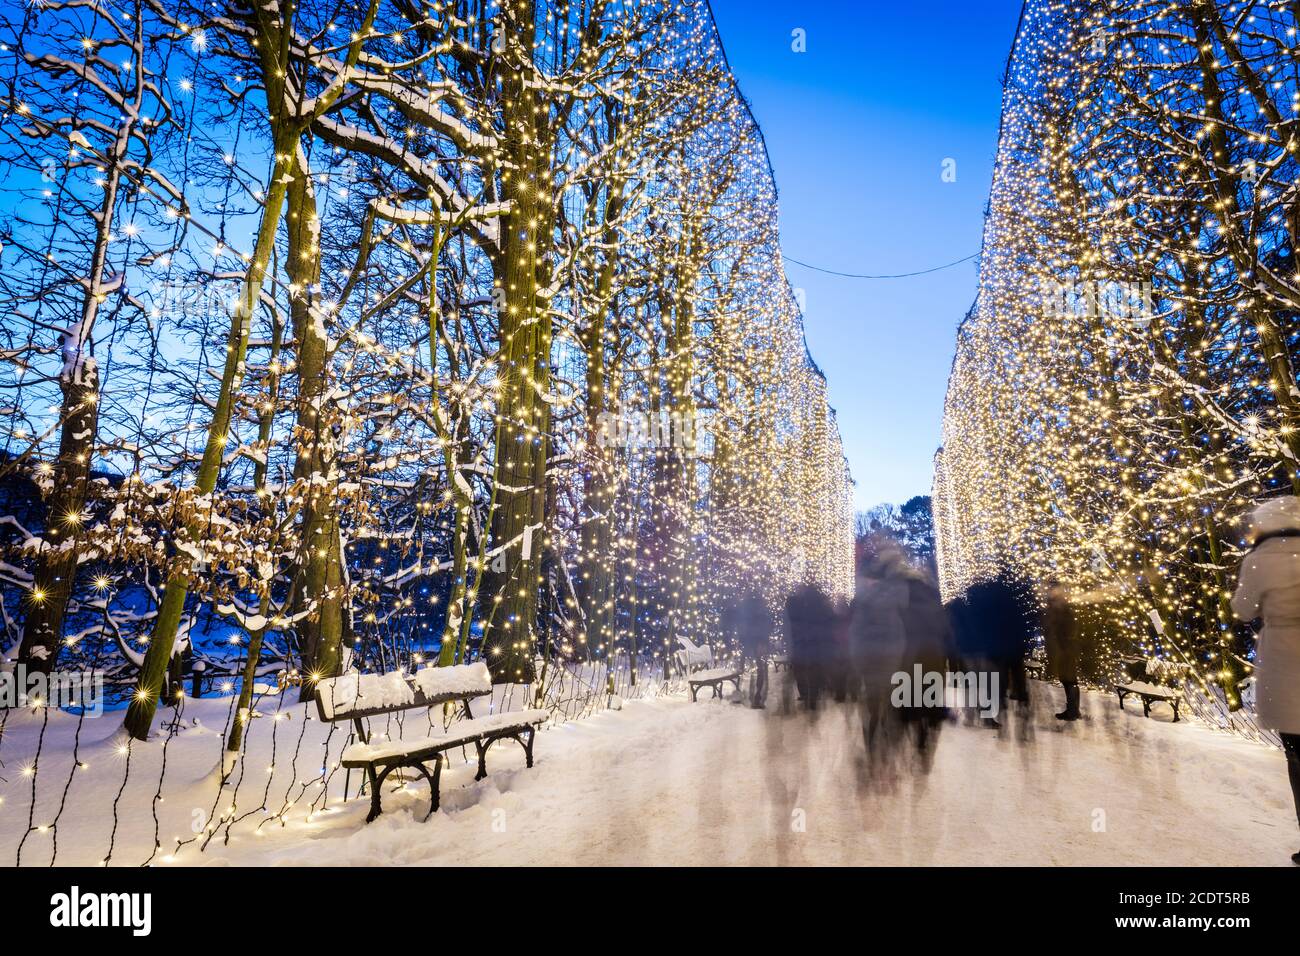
(858, 128)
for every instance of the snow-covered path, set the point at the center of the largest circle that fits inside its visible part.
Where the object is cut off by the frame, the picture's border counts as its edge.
(665, 781)
(668, 782)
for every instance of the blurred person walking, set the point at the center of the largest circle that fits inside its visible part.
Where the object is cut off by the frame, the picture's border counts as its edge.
(999, 633)
(1268, 587)
(965, 647)
(879, 641)
(840, 678)
(1061, 636)
(754, 625)
(927, 648)
(810, 623)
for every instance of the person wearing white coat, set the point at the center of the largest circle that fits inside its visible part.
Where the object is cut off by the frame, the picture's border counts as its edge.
(1268, 587)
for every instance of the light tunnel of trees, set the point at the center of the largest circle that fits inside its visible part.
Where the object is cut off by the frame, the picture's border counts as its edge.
(357, 334)
(1124, 387)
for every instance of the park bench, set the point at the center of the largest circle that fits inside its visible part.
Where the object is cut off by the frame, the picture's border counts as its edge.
(779, 664)
(359, 697)
(1149, 694)
(693, 656)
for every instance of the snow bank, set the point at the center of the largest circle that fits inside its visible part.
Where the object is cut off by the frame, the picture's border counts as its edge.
(101, 797)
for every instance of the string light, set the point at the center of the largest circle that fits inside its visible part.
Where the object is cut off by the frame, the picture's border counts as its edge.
(1122, 389)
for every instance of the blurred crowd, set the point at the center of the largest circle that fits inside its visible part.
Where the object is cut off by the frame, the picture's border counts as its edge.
(909, 662)
(895, 631)
(895, 623)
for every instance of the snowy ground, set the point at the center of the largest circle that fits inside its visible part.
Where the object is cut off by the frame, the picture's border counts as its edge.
(665, 781)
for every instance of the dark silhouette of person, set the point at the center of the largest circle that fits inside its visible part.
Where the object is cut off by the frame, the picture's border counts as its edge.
(840, 681)
(927, 646)
(754, 625)
(998, 633)
(963, 643)
(1061, 638)
(810, 623)
(879, 636)
(958, 613)
(900, 637)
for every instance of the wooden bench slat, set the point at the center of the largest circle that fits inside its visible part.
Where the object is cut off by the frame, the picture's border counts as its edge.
(713, 674)
(419, 702)
(359, 754)
(1149, 690)
(1149, 694)
(356, 697)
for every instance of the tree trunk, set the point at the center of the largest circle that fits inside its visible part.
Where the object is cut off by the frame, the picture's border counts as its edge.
(319, 574)
(462, 496)
(523, 412)
(56, 563)
(1226, 182)
(139, 715)
(596, 590)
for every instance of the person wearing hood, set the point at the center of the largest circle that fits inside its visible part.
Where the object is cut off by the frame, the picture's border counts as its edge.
(1268, 587)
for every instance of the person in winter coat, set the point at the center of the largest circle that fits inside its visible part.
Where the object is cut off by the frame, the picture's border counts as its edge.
(957, 612)
(1061, 636)
(839, 681)
(754, 626)
(998, 633)
(1268, 587)
(966, 655)
(810, 621)
(927, 643)
(878, 626)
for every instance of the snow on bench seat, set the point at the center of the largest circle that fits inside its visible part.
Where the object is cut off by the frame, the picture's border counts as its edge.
(713, 678)
(359, 754)
(462, 732)
(713, 674)
(458, 680)
(494, 723)
(1151, 690)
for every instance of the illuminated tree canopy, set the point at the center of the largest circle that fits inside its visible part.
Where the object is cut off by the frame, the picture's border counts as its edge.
(355, 332)
(1123, 388)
